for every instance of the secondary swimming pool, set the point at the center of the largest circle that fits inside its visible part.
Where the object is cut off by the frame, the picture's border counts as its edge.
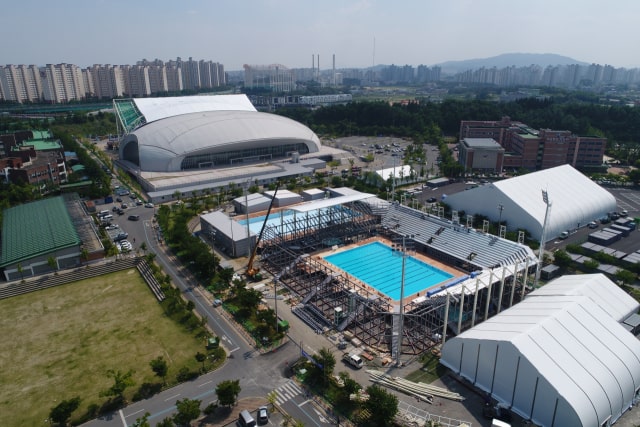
(377, 266)
(309, 219)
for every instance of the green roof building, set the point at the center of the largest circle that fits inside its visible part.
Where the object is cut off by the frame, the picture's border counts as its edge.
(35, 232)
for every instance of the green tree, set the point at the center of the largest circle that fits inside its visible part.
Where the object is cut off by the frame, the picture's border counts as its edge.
(625, 276)
(51, 261)
(160, 367)
(188, 410)
(60, 414)
(121, 381)
(142, 421)
(591, 264)
(382, 406)
(561, 258)
(201, 357)
(323, 369)
(227, 392)
(84, 254)
(167, 422)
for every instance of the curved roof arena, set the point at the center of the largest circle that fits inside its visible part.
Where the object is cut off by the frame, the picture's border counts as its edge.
(206, 139)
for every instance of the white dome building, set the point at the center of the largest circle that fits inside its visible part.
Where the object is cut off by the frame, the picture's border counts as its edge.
(186, 133)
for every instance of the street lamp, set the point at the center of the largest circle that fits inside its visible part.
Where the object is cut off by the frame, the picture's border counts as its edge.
(500, 208)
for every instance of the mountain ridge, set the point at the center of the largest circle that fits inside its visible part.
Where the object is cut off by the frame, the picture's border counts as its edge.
(508, 60)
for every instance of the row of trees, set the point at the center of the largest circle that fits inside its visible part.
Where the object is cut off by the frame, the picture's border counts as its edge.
(378, 409)
(187, 409)
(424, 121)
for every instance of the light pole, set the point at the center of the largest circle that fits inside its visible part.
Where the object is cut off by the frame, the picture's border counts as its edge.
(403, 251)
(500, 208)
(543, 236)
(275, 300)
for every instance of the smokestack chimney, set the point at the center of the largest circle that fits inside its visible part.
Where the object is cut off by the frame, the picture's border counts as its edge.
(318, 66)
(334, 70)
(313, 61)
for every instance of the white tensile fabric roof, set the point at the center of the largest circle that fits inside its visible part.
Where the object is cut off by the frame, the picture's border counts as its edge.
(575, 199)
(559, 357)
(160, 108)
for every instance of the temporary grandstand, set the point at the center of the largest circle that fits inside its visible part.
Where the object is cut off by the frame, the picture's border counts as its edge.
(493, 272)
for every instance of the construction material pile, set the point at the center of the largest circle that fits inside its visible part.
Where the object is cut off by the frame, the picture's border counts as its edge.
(420, 391)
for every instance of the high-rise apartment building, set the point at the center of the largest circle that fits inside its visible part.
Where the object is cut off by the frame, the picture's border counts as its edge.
(20, 83)
(62, 83)
(67, 82)
(274, 77)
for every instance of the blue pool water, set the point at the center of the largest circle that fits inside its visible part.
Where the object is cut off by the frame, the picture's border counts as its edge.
(375, 265)
(308, 219)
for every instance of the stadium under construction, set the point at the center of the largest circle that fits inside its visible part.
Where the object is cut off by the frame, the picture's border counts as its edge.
(486, 273)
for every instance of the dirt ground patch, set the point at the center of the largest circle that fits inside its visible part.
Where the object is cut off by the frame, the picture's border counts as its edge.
(59, 343)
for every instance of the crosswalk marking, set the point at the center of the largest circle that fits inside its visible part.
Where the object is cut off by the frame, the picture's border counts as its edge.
(287, 391)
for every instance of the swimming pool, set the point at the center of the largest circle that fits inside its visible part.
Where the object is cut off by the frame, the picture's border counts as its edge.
(308, 219)
(378, 267)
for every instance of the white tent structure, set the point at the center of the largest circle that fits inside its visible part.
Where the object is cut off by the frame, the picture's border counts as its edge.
(575, 199)
(560, 357)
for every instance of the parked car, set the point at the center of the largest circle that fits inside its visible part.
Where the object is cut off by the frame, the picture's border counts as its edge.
(563, 235)
(593, 224)
(134, 217)
(263, 415)
(148, 205)
(121, 236)
(432, 200)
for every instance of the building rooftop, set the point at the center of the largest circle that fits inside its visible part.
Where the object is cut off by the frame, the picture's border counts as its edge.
(481, 143)
(36, 228)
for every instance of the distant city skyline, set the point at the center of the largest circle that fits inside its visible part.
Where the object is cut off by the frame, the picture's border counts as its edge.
(289, 32)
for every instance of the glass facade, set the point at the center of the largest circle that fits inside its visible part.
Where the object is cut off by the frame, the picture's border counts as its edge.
(207, 160)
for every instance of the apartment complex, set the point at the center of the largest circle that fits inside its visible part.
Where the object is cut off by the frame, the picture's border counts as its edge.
(60, 83)
(528, 148)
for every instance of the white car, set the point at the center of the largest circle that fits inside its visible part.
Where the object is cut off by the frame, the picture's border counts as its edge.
(126, 245)
(148, 205)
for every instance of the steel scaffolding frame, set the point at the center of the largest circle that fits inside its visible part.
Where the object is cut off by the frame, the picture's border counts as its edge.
(338, 301)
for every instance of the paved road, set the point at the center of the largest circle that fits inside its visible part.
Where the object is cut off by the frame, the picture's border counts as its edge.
(258, 374)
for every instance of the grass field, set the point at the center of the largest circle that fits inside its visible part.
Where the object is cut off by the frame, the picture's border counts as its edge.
(431, 370)
(59, 343)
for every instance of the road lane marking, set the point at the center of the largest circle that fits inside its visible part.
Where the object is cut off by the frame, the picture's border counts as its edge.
(172, 397)
(133, 413)
(235, 349)
(203, 384)
(124, 423)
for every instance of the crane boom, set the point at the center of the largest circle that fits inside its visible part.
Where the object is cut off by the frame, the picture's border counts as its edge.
(251, 270)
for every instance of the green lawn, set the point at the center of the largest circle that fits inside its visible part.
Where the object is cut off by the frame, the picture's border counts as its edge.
(431, 370)
(59, 343)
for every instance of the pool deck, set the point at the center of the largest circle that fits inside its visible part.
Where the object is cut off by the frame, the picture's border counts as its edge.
(407, 298)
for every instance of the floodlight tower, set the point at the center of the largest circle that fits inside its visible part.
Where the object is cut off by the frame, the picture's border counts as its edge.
(543, 237)
(404, 248)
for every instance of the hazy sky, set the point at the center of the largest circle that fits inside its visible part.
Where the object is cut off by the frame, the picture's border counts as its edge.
(288, 32)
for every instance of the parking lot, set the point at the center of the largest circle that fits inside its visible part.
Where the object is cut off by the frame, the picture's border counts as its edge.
(387, 152)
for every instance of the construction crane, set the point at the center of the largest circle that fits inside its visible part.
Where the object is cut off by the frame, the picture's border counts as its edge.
(254, 272)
